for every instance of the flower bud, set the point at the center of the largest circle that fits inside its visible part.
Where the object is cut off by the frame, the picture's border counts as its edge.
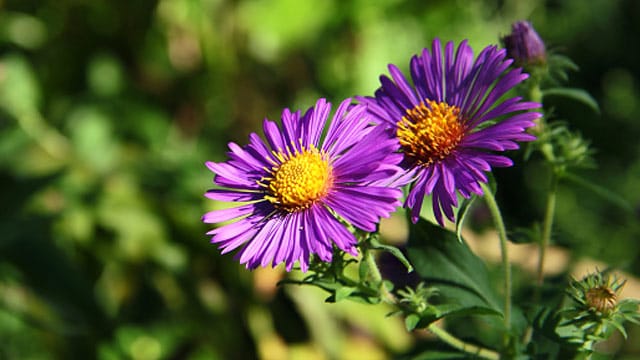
(524, 45)
(602, 299)
(597, 292)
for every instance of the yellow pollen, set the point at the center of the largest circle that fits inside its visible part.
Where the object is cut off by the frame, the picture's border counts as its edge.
(299, 181)
(430, 133)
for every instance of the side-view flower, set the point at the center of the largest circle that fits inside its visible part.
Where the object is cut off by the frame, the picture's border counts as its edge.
(299, 189)
(451, 122)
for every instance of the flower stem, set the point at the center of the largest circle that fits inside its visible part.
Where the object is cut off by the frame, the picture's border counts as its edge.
(502, 234)
(374, 272)
(546, 233)
(545, 239)
(453, 341)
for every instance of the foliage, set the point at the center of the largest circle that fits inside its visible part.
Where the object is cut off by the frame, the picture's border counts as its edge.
(108, 110)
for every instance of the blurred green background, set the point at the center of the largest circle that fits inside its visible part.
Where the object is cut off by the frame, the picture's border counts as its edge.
(109, 108)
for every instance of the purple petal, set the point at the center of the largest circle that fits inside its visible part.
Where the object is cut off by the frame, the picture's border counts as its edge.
(217, 216)
(233, 195)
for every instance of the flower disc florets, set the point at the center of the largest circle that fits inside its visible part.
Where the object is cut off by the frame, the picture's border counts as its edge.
(299, 181)
(430, 133)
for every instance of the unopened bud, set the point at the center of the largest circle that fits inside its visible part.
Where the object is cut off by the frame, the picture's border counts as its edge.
(524, 45)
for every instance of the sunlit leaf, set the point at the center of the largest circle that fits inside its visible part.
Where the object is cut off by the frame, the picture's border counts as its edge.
(411, 321)
(376, 244)
(343, 293)
(449, 265)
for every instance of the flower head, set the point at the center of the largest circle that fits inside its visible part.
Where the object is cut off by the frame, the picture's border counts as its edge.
(299, 188)
(452, 120)
(596, 293)
(524, 45)
(596, 310)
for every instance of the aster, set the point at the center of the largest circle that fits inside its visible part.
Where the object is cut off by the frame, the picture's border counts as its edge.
(299, 189)
(524, 45)
(452, 121)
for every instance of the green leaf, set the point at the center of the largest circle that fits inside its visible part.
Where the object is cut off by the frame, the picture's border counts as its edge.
(563, 62)
(450, 265)
(438, 312)
(620, 328)
(558, 66)
(603, 192)
(388, 285)
(375, 244)
(462, 215)
(411, 321)
(579, 95)
(343, 293)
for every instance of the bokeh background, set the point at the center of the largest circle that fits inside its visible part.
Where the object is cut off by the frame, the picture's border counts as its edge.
(109, 108)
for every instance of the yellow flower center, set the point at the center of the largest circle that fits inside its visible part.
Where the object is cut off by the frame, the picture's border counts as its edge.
(299, 181)
(429, 133)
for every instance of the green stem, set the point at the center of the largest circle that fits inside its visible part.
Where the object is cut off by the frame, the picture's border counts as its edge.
(374, 272)
(502, 234)
(445, 336)
(545, 239)
(535, 93)
(546, 233)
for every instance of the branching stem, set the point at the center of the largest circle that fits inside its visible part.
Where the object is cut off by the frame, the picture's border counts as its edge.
(453, 341)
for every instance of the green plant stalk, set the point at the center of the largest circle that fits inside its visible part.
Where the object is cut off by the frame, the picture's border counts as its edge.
(502, 234)
(588, 345)
(543, 244)
(454, 342)
(535, 95)
(535, 92)
(547, 226)
(374, 272)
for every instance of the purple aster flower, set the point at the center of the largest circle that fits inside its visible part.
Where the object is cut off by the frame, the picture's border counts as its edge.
(524, 45)
(452, 120)
(299, 188)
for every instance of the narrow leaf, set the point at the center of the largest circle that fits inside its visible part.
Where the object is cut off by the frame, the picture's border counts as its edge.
(579, 95)
(462, 215)
(603, 192)
(620, 328)
(454, 309)
(375, 244)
